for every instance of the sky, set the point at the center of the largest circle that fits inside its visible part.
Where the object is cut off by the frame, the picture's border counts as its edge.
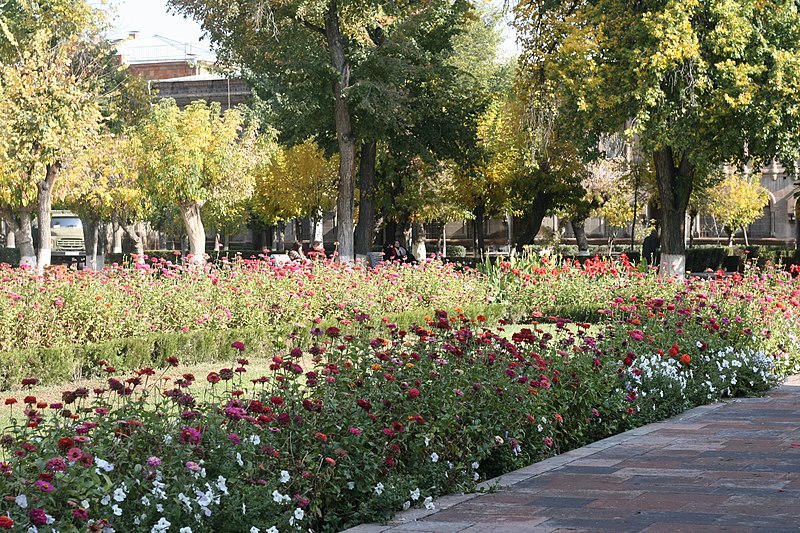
(151, 17)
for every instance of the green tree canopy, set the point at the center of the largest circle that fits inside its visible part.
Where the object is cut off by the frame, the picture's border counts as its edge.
(700, 84)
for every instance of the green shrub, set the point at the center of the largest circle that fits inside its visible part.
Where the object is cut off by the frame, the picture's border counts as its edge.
(10, 256)
(456, 250)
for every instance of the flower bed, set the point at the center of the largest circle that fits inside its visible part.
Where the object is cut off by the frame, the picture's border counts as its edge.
(368, 419)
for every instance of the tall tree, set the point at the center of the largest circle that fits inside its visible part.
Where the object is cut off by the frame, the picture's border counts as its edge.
(305, 55)
(192, 156)
(699, 83)
(49, 107)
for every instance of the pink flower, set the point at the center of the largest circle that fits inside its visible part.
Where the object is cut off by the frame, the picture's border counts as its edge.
(355, 431)
(45, 486)
(238, 345)
(549, 442)
(74, 454)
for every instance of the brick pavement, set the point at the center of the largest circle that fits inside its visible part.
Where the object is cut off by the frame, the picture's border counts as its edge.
(732, 467)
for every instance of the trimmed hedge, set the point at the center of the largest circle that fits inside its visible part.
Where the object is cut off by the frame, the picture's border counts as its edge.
(63, 364)
(10, 256)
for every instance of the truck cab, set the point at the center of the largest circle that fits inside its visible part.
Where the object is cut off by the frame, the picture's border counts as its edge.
(66, 238)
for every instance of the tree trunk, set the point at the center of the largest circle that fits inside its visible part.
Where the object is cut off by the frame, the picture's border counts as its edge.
(534, 219)
(190, 213)
(418, 249)
(138, 242)
(11, 238)
(744, 233)
(480, 215)
(674, 188)
(45, 187)
(278, 241)
(344, 134)
(365, 229)
(20, 224)
(119, 231)
(91, 236)
(579, 229)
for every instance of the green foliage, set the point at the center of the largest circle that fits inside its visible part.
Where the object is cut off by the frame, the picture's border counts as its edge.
(9, 256)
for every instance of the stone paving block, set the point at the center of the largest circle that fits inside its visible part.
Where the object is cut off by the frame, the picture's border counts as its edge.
(433, 527)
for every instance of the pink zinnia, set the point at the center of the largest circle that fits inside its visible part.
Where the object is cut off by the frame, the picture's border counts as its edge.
(74, 454)
(355, 431)
(45, 486)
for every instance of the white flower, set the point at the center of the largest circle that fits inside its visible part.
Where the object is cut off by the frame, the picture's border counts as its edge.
(161, 526)
(277, 497)
(351, 485)
(120, 494)
(434, 457)
(255, 439)
(85, 504)
(254, 529)
(540, 428)
(105, 500)
(185, 530)
(204, 499)
(406, 505)
(414, 494)
(273, 529)
(183, 498)
(476, 465)
(244, 508)
(475, 476)
(378, 489)
(285, 477)
(427, 441)
(116, 509)
(428, 503)
(159, 508)
(145, 501)
(103, 465)
(221, 485)
(49, 519)
(167, 439)
(239, 459)
(22, 501)
(299, 513)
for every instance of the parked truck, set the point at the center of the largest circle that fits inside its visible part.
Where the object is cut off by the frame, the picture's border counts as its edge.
(66, 238)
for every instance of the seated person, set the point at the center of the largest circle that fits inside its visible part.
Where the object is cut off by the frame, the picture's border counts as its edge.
(317, 251)
(296, 252)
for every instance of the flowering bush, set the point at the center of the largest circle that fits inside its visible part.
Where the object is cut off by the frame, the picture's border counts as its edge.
(368, 419)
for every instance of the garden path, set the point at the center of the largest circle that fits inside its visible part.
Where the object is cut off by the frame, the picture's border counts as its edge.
(731, 466)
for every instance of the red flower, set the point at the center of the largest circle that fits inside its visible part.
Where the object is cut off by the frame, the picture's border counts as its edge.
(238, 345)
(213, 378)
(172, 360)
(29, 382)
(30, 400)
(685, 359)
(413, 392)
(11, 401)
(6, 522)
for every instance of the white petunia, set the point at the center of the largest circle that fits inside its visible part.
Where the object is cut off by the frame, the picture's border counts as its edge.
(285, 477)
(428, 503)
(476, 465)
(273, 529)
(120, 494)
(21, 501)
(434, 457)
(185, 530)
(116, 509)
(254, 529)
(406, 505)
(105, 500)
(299, 513)
(414, 494)
(85, 504)
(221, 485)
(255, 439)
(161, 526)
(378, 489)
(103, 465)
(351, 485)
(239, 459)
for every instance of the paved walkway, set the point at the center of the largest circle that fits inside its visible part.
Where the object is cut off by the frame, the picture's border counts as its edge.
(732, 466)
